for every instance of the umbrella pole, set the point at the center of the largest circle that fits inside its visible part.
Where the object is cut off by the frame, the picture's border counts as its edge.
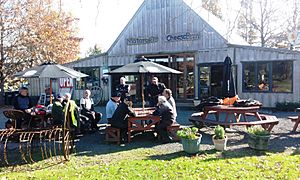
(50, 91)
(143, 97)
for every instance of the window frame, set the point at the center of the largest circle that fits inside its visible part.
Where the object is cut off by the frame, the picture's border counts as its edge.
(270, 76)
(85, 86)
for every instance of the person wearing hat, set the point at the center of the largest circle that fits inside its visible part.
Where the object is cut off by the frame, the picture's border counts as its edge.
(112, 105)
(119, 118)
(123, 88)
(23, 102)
(57, 111)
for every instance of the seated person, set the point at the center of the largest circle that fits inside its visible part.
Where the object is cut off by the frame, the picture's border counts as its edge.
(112, 105)
(23, 102)
(165, 111)
(119, 118)
(57, 111)
(73, 110)
(168, 94)
(87, 109)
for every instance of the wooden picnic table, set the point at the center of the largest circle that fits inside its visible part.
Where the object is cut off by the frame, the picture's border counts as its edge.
(232, 113)
(233, 116)
(143, 121)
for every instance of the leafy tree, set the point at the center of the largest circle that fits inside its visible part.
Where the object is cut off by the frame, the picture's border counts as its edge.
(32, 32)
(92, 51)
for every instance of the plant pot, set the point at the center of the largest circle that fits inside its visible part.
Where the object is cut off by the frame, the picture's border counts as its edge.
(259, 142)
(220, 144)
(191, 146)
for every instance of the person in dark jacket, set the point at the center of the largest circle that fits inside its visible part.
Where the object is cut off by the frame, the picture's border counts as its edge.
(23, 102)
(87, 109)
(123, 88)
(57, 111)
(154, 90)
(119, 118)
(165, 111)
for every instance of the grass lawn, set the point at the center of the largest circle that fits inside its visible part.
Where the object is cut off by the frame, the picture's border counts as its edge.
(151, 163)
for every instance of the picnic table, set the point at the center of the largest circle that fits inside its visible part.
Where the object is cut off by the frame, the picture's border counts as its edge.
(143, 121)
(233, 116)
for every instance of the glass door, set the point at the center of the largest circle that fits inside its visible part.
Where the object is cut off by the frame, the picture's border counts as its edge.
(184, 87)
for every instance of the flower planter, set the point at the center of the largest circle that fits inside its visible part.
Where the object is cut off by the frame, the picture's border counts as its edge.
(220, 144)
(259, 142)
(191, 146)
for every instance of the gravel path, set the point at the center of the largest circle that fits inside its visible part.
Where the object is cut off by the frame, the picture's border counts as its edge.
(282, 138)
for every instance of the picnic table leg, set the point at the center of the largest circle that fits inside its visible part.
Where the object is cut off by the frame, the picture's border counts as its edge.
(256, 114)
(129, 132)
(296, 125)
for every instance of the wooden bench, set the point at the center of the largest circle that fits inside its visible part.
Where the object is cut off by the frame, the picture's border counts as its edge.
(296, 120)
(112, 134)
(172, 131)
(267, 123)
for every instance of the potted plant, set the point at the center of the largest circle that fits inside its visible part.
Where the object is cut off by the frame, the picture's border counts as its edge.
(190, 139)
(258, 138)
(220, 139)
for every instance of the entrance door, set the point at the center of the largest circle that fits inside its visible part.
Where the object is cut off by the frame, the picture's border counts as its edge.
(185, 81)
(211, 78)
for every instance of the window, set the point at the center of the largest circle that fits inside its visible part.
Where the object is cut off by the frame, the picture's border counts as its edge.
(282, 76)
(92, 80)
(267, 76)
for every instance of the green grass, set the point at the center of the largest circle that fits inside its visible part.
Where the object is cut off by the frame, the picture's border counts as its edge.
(160, 164)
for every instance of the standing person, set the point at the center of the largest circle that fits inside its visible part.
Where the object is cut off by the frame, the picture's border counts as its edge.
(154, 90)
(123, 88)
(23, 102)
(165, 111)
(57, 111)
(87, 109)
(168, 94)
(112, 105)
(119, 118)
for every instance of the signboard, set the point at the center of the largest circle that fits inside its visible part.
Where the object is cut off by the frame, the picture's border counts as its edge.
(183, 37)
(146, 40)
(65, 82)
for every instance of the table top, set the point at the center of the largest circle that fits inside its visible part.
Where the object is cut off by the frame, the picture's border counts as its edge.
(230, 108)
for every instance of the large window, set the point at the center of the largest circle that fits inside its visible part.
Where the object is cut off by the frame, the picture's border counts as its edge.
(267, 76)
(92, 80)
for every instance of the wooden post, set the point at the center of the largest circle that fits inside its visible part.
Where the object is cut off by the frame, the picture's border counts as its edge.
(50, 91)
(142, 88)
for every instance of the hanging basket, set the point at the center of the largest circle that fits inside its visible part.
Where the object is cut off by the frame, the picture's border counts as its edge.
(191, 146)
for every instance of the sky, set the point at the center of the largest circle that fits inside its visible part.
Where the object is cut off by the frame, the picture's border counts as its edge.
(101, 21)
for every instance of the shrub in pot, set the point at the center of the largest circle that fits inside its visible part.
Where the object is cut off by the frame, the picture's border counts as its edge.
(220, 139)
(190, 139)
(258, 138)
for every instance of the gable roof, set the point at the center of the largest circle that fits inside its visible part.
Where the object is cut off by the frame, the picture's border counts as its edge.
(156, 18)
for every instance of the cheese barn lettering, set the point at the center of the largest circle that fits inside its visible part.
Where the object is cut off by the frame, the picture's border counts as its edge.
(183, 37)
(136, 41)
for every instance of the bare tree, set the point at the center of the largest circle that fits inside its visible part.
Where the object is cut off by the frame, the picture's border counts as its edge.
(213, 6)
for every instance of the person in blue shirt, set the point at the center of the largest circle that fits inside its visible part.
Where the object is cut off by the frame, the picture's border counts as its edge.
(112, 105)
(23, 102)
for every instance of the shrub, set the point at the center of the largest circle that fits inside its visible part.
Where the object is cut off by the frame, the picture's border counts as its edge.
(258, 131)
(188, 133)
(287, 106)
(219, 132)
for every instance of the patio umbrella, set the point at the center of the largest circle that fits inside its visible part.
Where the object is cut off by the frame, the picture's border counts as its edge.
(228, 87)
(143, 66)
(50, 70)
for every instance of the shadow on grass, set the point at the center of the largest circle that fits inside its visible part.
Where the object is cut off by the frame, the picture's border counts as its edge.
(94, 144)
